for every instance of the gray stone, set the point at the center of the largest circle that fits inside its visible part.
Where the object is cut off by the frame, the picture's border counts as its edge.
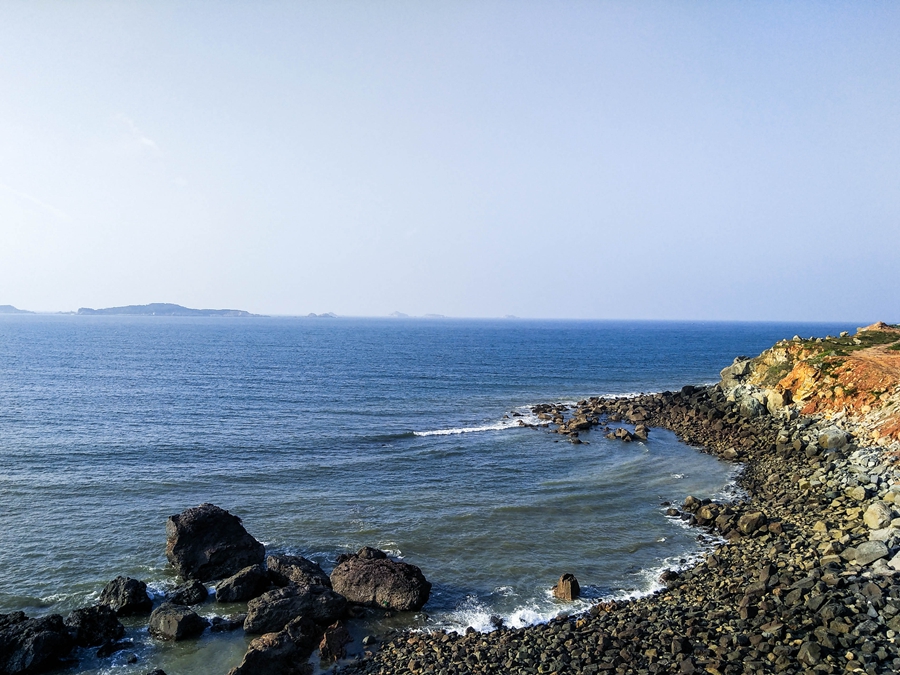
(870, 551)
(176, 622)
(878, 515)
(833, 438)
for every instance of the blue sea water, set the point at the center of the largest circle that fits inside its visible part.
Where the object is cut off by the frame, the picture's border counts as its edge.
(325, 435)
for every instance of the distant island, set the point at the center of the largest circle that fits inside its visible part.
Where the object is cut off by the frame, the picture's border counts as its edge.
(162, 309)
(9, 309)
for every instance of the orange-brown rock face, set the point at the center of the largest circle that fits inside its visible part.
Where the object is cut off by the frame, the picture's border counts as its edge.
(858, 375)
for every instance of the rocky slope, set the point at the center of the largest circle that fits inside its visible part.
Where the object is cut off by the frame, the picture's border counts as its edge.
(851, 378)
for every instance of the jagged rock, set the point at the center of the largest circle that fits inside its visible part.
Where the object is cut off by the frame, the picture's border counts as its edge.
(92, 626)
(333, 643)
(176, 622)
(207, 543)
(247, 584)
(567, 588)
(32, 645)
(273, 610)
(370, 578)
(126, 596)
(878, 515)
(191, 593)
(736, 371)
(286, 569)
(281, 653)
(642, 432)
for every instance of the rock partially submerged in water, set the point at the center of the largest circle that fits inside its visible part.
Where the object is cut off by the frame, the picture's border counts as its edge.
(94, 626)
(208, 543)
(33, 645)
(247, 584)
(191, 593)
(567, 588)
(332, 646)
(370, 578)
(272, 611)
(126, 596)
(287, 569)
(176, 622)
(281, 653)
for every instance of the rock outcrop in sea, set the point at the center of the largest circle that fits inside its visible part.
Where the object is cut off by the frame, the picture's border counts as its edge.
(370, 578)
(208, 543)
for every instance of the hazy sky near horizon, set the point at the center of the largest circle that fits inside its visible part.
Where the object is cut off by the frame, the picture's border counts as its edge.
(654, 160)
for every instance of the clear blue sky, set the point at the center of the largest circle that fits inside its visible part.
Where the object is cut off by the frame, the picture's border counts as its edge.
(670, 160)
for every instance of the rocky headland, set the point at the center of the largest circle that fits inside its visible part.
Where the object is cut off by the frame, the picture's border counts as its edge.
(804, 576)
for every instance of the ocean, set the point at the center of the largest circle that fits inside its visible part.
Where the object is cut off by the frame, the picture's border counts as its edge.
(328, 434)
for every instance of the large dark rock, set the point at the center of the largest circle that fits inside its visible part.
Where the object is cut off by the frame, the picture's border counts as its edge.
(370, 578)
(32, 645)
(176, 622)
(272, 611)
(126, 596)
(93, 626)
(247, 584)
(283, 653)
(191, 593)
(208, 543)
(291, 569)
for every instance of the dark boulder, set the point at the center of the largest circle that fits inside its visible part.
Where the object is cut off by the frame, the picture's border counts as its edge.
(291, 569)
(126, 596)
(207, 543)
(191, 593)
(221, 624)
(93, 626)
(176, 622)
(370, 578)
(283, 653)
(334, 642)
(247, 584)
(32, 645)
(272, 611)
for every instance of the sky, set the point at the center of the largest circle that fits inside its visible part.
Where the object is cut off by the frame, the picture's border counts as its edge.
(588, 160)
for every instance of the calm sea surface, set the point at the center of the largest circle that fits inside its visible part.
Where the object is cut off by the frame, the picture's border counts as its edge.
(325, 435)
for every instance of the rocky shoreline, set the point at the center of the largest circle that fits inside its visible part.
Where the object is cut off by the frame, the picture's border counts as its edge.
(806, 580)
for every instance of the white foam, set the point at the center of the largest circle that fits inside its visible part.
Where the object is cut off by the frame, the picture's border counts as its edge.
(512, 422)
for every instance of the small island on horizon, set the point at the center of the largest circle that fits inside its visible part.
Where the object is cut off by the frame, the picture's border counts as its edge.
(163, 309)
